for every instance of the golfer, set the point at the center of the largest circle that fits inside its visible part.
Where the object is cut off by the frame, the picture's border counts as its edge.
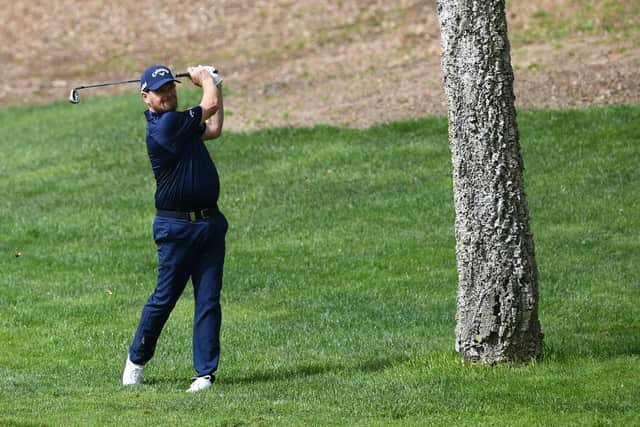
(188, 228)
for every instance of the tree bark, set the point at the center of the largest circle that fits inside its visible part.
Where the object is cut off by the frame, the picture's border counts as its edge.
(497, 303)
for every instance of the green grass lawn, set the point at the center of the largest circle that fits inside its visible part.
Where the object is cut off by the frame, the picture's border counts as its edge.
(340, 281)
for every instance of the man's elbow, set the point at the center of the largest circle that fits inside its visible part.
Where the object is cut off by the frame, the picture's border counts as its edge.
(212, 132)
(215, 133)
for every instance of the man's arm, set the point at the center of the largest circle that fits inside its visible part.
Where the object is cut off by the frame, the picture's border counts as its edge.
(215, 122)
(209, 102)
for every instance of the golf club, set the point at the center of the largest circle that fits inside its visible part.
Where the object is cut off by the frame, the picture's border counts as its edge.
(74, 98)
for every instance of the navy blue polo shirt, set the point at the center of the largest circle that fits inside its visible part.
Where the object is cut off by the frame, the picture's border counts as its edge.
(186, 177)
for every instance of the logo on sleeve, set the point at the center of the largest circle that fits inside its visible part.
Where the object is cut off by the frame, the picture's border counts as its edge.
(192, 114)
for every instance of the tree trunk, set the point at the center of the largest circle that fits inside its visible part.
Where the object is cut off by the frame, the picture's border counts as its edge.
(497, 306)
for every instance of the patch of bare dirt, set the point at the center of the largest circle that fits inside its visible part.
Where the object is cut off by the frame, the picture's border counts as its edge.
(299, 63)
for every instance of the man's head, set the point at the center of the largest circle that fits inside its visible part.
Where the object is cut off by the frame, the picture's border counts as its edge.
(158, 89)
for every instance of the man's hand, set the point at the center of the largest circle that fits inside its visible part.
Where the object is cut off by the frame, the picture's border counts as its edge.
(201, 72)
(198, 75)
(214, 74)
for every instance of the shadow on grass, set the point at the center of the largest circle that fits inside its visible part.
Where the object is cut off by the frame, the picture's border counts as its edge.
(312, 369)
(608, 346)
(285, 373)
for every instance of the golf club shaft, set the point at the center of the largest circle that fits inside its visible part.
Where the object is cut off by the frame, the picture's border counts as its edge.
(74, 97)
(120, 82)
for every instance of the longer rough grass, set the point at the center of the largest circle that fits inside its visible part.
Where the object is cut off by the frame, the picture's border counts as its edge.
(339, 297)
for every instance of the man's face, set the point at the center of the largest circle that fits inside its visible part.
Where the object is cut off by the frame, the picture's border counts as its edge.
(163, 99)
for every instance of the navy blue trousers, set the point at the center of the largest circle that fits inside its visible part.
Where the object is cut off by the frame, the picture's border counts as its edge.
(186, 250)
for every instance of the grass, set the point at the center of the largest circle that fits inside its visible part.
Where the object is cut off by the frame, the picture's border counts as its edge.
(577, 18)
(340, 283)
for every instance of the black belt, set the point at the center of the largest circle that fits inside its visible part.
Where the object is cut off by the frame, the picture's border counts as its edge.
(189, 216)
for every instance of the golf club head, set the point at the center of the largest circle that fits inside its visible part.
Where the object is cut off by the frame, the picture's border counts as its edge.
(73, 96)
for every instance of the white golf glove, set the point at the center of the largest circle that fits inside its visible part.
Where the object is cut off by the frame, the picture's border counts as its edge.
(214, 74)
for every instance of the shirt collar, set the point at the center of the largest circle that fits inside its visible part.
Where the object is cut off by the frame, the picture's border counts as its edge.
(151, 115)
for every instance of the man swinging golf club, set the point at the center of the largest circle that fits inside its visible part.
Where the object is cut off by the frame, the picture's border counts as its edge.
(188, 229)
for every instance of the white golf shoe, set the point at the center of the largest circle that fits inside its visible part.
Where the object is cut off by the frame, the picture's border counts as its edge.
(201, 383)
(133, 373)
